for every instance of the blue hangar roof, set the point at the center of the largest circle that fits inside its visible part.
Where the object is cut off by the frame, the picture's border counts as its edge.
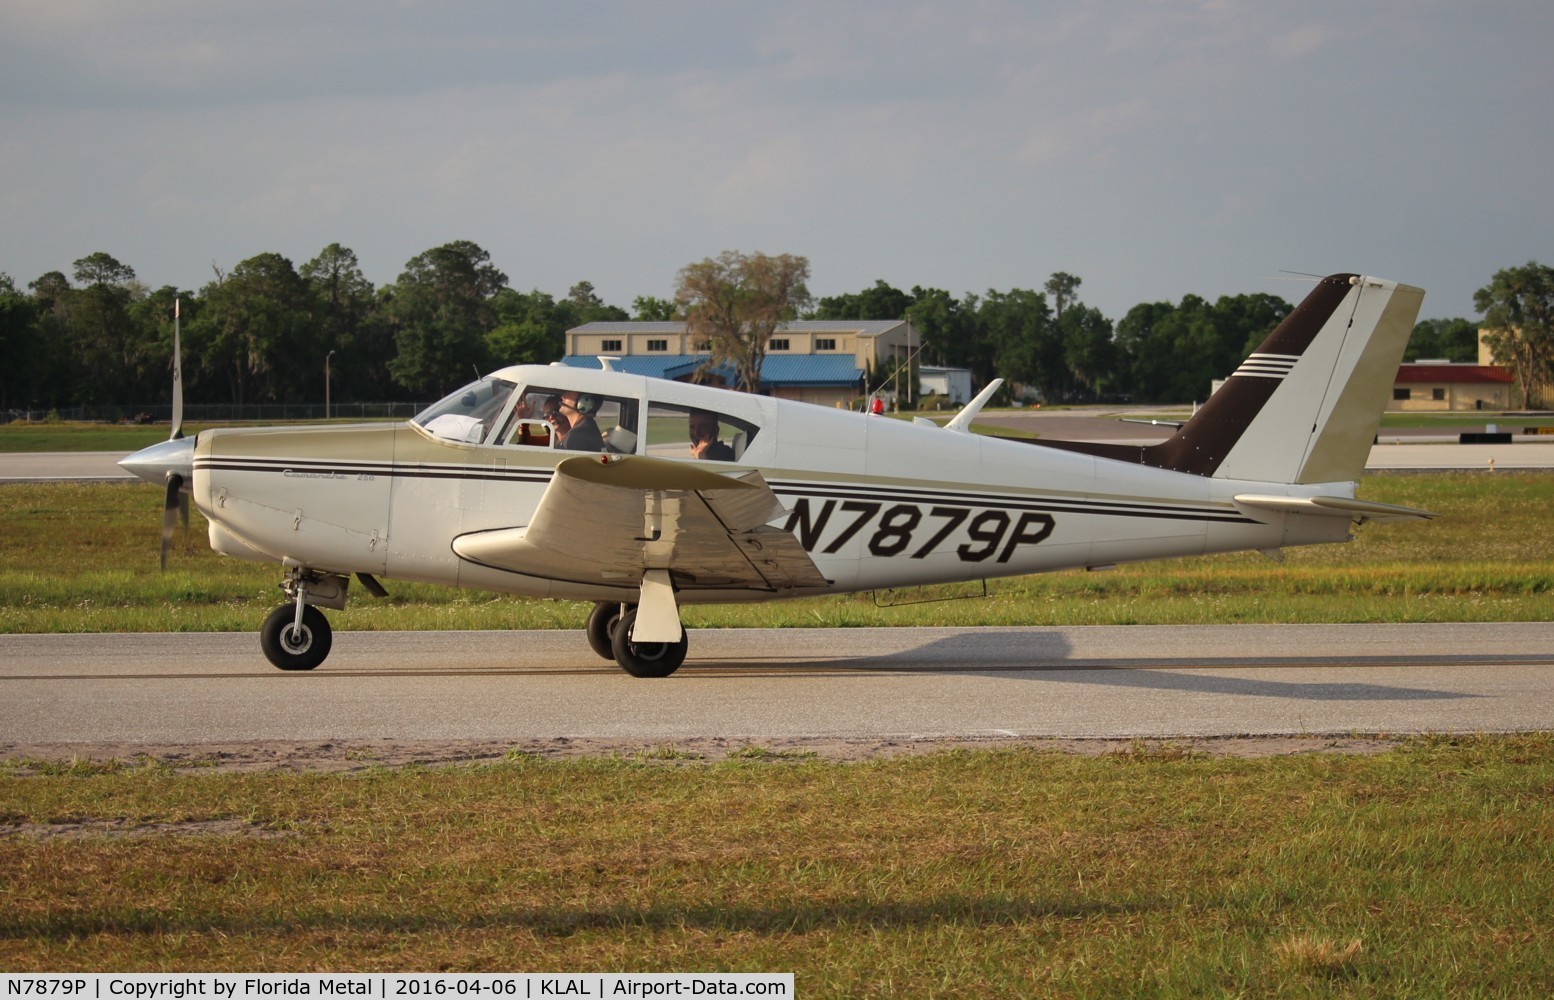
(800, 370)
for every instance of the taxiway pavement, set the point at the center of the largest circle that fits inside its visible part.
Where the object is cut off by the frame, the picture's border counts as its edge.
(759, 684)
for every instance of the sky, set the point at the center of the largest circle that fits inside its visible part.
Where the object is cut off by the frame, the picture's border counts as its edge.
(1154, 148)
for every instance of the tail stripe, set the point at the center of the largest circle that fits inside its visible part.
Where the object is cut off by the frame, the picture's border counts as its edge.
(1267, 366)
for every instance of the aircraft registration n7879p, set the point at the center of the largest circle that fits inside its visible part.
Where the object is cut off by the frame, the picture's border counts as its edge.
(585, 484)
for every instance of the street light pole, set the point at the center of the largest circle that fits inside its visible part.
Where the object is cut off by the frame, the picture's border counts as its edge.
(326, 383)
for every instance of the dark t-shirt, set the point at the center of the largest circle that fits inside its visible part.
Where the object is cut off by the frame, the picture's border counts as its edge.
(584, 436)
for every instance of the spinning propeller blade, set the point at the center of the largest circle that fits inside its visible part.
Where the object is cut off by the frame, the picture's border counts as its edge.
(170, 504)
(169, 463)
(183, 498)
(177, 378)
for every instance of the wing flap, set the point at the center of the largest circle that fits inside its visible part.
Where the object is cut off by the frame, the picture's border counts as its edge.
(611, 519)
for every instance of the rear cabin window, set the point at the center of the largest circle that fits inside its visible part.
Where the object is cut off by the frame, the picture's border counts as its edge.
(676, 431)
(568, 420)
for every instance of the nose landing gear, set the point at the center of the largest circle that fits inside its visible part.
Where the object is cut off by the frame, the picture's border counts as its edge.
(296, 635)
(290, 647)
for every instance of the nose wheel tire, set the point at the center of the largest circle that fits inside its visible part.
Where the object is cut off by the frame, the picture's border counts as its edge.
(646, 659)
(290, 648)
(602, 622)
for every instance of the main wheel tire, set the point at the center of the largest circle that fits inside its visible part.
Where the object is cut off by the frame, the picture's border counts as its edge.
(602, 621)
(290, 649)
(647, 659)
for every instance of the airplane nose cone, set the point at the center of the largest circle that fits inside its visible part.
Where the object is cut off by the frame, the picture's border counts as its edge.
(161, 460)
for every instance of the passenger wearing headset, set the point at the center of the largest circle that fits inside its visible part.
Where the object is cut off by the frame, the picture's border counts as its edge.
(584, 434)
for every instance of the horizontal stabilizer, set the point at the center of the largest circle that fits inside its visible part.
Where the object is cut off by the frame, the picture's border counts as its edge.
(1360, 510)
(1173, 424)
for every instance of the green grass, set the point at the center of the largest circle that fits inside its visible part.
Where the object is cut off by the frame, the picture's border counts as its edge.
(23, 437)
(82, 557)
(1424, 870)
(94, 436)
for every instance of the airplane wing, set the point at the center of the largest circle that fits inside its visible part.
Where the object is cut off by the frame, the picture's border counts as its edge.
(618, 520)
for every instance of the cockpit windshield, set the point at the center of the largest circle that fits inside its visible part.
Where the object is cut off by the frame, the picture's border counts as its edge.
(468, 415)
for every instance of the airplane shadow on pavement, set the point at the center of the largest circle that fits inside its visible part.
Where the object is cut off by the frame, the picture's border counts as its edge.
(1048, 657)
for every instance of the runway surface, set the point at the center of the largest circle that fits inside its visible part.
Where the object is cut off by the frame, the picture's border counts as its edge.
(760, 684)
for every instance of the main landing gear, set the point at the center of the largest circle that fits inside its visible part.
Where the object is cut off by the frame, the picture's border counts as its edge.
(610, 626)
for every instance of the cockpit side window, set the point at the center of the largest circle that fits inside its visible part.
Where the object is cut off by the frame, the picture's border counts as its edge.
(677, 431)
(468, 414)
(549, 417)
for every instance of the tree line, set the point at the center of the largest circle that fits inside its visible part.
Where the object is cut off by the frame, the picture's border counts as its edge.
(265, 330)
(262, 332)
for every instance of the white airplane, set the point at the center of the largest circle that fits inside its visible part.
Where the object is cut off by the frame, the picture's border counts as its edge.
(608, 503)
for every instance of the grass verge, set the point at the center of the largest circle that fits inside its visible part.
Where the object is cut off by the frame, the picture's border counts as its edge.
(1423, 870)
(82, 558)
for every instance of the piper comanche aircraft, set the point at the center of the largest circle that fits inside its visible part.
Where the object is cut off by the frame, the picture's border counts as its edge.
(645, 495)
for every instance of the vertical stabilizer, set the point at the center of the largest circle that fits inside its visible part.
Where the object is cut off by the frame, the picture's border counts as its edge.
(1326, 388)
